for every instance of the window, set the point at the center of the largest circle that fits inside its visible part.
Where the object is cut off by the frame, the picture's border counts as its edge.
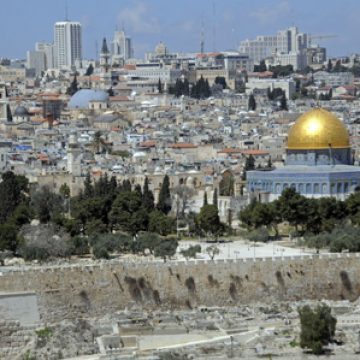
(339, 188)
(316, 188)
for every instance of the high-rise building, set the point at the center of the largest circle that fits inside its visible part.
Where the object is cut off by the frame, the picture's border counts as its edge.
(121, 48)
(48, 50)
(286, 45)
(67, 43)
(35, 60)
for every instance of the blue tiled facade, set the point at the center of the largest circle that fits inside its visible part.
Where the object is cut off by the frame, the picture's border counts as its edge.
(312, 173)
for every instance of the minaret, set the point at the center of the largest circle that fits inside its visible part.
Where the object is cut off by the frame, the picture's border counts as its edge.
(104, 57)
(105, 65)
(74, 157)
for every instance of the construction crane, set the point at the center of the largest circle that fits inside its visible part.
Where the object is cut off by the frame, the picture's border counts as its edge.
(320, 37)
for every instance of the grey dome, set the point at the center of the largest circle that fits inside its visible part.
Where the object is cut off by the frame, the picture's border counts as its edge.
(81, 99)
(21, 111)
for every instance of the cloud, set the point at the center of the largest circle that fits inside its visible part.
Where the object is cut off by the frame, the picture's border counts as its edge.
(271, 14)
(138, 19)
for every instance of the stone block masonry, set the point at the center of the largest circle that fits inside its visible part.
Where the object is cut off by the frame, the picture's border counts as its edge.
(94, 290)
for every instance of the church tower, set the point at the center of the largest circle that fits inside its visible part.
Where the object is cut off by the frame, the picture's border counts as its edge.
(105, 66)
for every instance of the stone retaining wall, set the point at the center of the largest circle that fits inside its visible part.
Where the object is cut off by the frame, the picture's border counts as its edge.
(77, 291)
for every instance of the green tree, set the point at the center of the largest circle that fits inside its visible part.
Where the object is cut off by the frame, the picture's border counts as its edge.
(46, 204)
(64, 191)
(209, 221)
(147, 241)
(88, 186)
(283, 103)
(8, 237)
(160, 87)
(329, 66)
(259, 235)
(292, 207)
(201, 90)
(89, 70)
(164, 203)
(317, 328)
(248, 166)
(212, 251)
(252, 103)
(261, 67)
(12, 193)
(73, 88)
(147, 196)
(161, 223)
(221, 81)
(21, 215)
(166, 248)
(127, 213)
(205, 200)
(191, 251)
(215, 198)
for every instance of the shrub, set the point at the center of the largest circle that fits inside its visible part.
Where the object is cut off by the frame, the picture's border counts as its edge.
(317, 328)
(44, 241)
(259, 235)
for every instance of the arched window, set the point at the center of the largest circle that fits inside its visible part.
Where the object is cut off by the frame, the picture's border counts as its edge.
(339, 188)
(346, 188)
(308, 188)
(333, 188)
(316, 188)
(324, 188)
(301, 188)
(278, 188)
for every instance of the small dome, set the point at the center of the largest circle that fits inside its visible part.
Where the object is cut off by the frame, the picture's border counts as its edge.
(318, 129)
(82, 98)
(21, 111)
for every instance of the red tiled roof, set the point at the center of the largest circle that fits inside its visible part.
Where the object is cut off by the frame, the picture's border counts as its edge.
(148, 143)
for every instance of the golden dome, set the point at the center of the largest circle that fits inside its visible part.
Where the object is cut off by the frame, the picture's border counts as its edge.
(318, 129)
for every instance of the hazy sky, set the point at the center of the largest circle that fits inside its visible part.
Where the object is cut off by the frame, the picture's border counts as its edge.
(178, 22)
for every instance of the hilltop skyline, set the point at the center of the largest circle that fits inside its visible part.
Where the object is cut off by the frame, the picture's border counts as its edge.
(178, 24)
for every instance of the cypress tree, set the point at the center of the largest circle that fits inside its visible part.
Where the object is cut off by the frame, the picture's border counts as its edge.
(160, 88)
(215, 198)
(148, 196)
(283, 103)
(138, 190)
(164, 203)
(126, 186)
(205, 201)
(252, 103)
(88, 187)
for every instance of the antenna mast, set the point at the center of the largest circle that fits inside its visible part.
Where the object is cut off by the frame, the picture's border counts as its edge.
(214, 25)
(202, 37)
(66, 11)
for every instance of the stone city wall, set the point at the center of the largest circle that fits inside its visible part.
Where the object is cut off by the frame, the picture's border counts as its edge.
(75, 291)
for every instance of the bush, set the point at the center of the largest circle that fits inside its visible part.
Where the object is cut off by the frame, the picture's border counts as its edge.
(191, 251)
(8, 237)
(44, 241)
(100, 251)
(259, 235)
(80, 245)
(317, 328)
